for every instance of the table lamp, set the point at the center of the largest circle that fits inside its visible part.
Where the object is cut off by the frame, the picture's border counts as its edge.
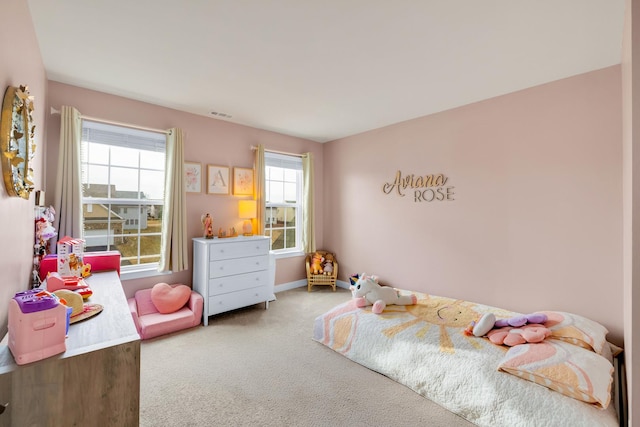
(247, 211)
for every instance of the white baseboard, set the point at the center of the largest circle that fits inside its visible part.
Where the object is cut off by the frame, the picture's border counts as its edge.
(303, 283)
(290, 285)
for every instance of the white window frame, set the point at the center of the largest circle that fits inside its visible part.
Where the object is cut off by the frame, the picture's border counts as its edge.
(114, 135)
(286, 162)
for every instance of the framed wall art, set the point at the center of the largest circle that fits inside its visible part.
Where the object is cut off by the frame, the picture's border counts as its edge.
(242, 182)
(217, 179)
(192, 177)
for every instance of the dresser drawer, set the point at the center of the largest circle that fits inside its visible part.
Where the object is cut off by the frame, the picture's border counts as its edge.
(238, 249)
(233, 300)
(238, 266)
(224, 285)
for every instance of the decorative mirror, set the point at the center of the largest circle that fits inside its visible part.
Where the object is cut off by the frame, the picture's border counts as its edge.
(16, 141)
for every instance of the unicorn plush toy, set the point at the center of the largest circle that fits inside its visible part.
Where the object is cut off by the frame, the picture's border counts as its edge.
(367, 292)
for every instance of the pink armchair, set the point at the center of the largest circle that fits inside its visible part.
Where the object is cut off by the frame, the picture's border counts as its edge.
(151, 323)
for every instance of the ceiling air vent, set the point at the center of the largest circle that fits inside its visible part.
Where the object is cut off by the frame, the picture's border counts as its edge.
(221, 115)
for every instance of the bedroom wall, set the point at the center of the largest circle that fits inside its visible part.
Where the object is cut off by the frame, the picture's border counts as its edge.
(534, 219)
(208, 141)
(20, 64)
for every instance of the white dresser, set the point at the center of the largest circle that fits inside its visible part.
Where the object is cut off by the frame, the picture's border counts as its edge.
(232, 273)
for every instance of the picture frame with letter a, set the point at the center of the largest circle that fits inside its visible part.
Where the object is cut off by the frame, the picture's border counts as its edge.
(217, 179)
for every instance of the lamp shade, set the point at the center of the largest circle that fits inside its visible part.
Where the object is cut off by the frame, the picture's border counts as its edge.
(247, 209)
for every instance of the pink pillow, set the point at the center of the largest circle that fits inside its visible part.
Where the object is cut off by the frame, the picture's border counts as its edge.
(169, 299)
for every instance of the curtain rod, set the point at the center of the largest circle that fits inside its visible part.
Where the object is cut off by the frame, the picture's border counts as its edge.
(111, 122)
(254, 148)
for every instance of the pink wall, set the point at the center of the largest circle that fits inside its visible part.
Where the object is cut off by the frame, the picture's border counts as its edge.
(20, 64)
(208, 141)
(537, 218)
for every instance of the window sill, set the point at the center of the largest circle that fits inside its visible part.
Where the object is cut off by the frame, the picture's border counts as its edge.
(141, 273)
(289, 254)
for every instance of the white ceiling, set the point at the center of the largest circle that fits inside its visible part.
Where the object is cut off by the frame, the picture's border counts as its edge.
(322, 70)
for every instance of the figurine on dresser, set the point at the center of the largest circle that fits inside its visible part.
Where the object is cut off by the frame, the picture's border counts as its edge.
(207, 225)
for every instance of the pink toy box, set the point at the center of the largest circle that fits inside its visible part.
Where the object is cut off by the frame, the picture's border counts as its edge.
(99, 261)
(37, 326)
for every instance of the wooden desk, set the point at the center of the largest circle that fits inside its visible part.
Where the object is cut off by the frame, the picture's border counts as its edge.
(96, 381)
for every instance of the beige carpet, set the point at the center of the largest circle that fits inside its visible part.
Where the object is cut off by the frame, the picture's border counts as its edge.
(257, 367)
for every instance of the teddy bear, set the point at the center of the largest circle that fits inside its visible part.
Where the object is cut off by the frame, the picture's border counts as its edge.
(316, 263)
(328, 264)
(367, 292)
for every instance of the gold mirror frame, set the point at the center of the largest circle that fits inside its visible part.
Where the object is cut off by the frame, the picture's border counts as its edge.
(16, 141)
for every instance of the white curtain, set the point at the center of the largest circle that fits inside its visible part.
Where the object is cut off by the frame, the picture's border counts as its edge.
(308, 220)
(174, 243)
(68, 193)
(259, 189)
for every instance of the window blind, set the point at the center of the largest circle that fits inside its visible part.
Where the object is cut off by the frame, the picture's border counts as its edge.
(282, 161)
(103, 133)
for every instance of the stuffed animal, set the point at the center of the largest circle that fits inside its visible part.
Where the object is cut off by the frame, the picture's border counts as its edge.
(515, 330)
(352, 280)
(367, 291)
(328, 265)
(529, 333)
(316, 263)
(521, 320)
(483, 325)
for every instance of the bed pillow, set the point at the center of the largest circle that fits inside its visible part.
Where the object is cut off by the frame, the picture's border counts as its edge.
(571, 370)
(576, 330)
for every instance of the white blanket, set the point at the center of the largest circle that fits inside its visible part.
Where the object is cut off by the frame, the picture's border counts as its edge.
(424, 347)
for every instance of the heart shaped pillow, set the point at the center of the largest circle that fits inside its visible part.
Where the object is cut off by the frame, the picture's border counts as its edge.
(169, 299)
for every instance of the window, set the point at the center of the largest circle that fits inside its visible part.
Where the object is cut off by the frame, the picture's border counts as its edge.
(283, 202)
(123, 192)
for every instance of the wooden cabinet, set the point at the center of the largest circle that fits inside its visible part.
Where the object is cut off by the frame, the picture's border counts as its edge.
(96, 381)
(232, 273)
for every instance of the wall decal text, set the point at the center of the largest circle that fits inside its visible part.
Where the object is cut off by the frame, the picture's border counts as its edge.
(426, 188)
